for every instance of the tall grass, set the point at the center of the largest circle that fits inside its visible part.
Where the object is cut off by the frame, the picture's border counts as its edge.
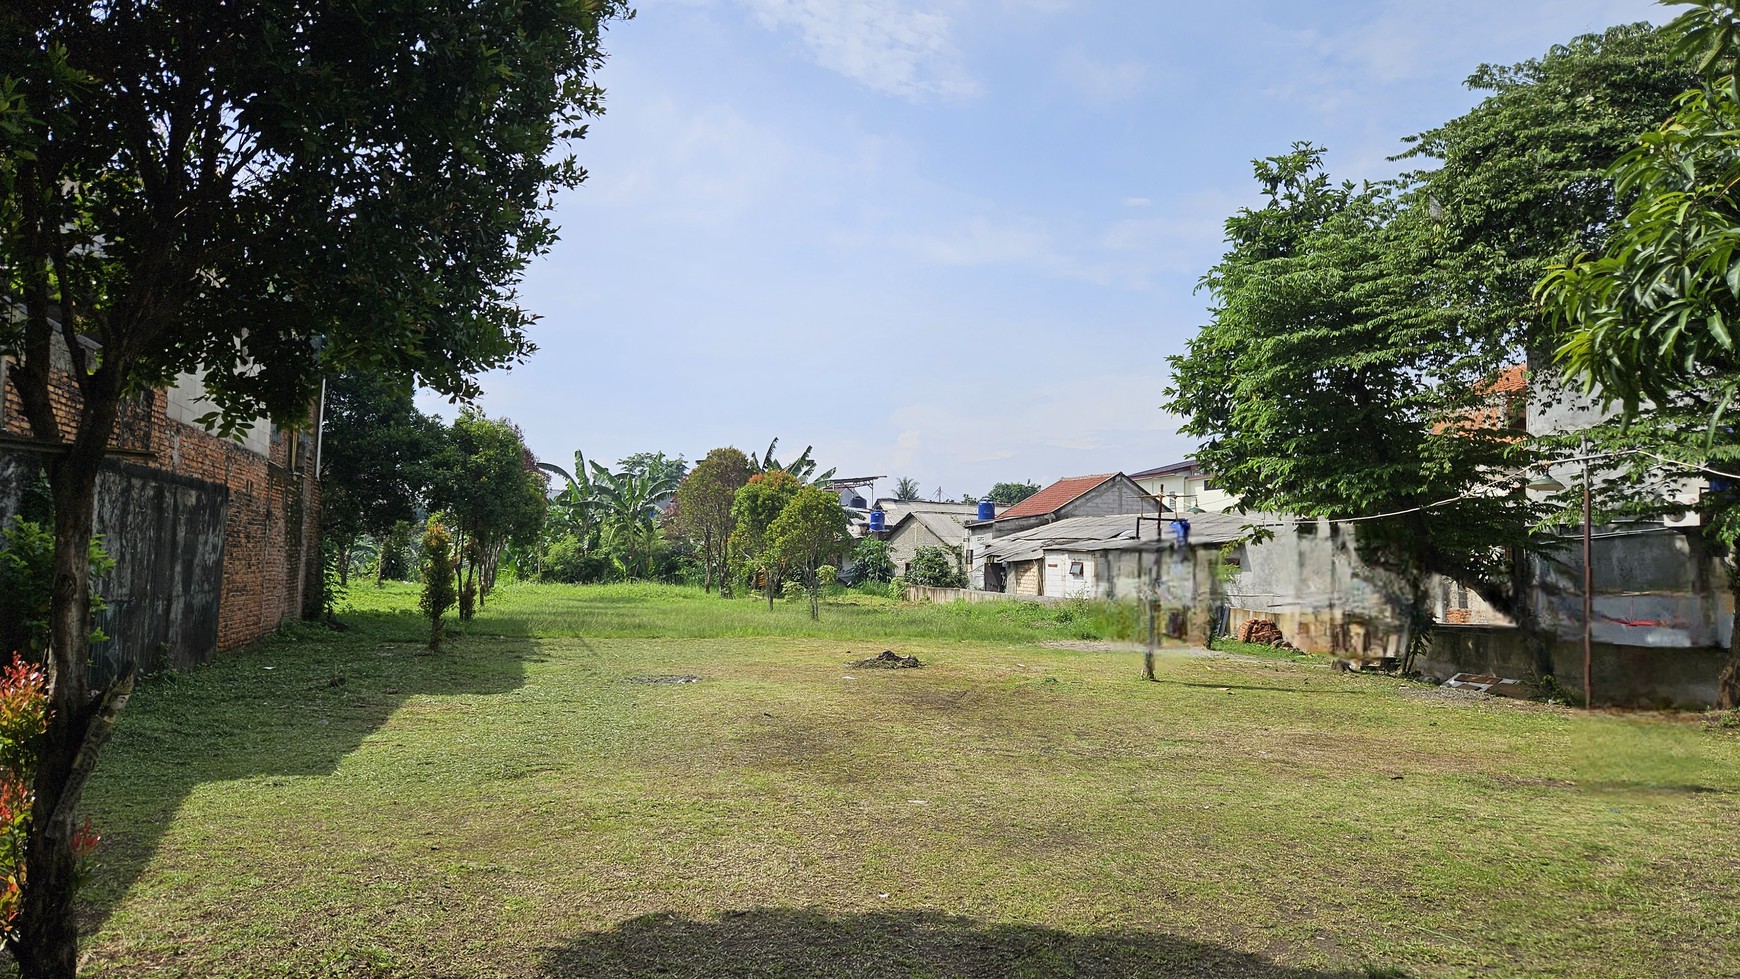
(644, 610)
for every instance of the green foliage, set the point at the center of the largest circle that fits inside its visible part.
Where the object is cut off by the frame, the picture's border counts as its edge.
(803, 467)
(394, 559)
(870, 561)
(1009, 494)
(753, 510)
(23, 718)
(490, 486)
(809, 531)
(704, 509)
(654, 464)
(375, 457)
(906, 489)
(631, 500)
(566, 560)
(1652, 316)
(1519, 181)
(439, 592)
(934, 566)
(1330, 384)
(27, 586)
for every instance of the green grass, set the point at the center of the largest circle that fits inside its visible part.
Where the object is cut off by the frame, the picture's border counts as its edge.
(522, 805)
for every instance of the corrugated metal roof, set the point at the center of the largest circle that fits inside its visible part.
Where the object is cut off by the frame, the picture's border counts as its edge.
(1117, 533)
(1187, 466)
(946, 526)
(1054, 496)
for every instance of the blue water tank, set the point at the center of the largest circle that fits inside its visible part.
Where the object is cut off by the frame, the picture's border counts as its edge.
(876, 519)
(987, 510)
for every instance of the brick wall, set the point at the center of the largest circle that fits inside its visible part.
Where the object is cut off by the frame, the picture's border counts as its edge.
(271, 567)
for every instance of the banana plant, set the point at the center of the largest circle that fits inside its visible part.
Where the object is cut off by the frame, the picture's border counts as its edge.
(630, 502)
(579, 508)
(803, 467)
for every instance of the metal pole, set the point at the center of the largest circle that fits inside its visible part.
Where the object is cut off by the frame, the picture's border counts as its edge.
(1588, 596)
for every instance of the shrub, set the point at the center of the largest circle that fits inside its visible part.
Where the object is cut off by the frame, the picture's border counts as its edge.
(870, 561)
(26, 581)
(23, 718)
(566, 561)
(936, 567)
(439, 593)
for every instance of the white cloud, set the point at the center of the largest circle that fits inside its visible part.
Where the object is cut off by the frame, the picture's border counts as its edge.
(880, 44)
(1137, 202)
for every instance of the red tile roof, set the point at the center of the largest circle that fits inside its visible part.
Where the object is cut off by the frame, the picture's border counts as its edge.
(1057, 495)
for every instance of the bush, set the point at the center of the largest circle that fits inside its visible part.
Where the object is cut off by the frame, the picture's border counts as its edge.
(26, 584)
(23, 718)
(870, 562)
(936, 567)
(567, 562)
(439, 593)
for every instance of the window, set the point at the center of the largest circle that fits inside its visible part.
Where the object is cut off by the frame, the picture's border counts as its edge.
(1075, 568)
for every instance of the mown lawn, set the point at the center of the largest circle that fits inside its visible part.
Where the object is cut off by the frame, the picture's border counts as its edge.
(525, 804)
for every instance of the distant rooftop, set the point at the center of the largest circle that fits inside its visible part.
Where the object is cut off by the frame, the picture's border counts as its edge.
(1187, 466)
(1057, 495)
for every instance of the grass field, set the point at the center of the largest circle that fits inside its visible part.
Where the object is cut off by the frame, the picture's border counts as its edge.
(528, 804)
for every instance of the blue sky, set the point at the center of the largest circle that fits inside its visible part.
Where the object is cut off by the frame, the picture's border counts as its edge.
(953, 240)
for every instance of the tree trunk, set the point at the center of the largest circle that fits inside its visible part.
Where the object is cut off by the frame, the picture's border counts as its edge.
(1728, 687)
(47, 944)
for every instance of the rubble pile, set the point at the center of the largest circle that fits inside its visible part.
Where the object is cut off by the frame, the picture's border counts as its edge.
(1262, 633)
(888, 659)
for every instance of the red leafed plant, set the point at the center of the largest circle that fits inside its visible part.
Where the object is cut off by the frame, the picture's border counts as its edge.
(23, 717)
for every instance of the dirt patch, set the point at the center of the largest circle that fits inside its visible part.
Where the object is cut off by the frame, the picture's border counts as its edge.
(664, 679)
(1093, 646)
(888, 659)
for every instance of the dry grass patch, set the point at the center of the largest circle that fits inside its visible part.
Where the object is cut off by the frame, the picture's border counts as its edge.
(520, 806)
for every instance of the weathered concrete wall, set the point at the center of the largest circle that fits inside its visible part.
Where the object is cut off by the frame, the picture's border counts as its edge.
(919, 593)
(904, 543)
(1309, 580)
(1114, 496)
(1627, 676)
(167, 535)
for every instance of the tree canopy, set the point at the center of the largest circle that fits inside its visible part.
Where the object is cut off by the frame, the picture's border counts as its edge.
(260, 194)
(376, 455)
(809, 532)
(1009, 494)
(704, 508)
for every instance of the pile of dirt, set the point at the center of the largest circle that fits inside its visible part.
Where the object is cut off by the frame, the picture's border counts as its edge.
(888, 659)
(1262, 633)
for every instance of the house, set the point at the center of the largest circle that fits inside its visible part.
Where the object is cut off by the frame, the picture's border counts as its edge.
(927, 525)
(1183, 486)
(216, 541)
(1105, 494)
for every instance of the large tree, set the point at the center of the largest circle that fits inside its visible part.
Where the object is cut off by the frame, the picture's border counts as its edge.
(1411, 301)
(704, 509)
(375, 455)
(1009, 494)
(259, 193)
(1329, 384)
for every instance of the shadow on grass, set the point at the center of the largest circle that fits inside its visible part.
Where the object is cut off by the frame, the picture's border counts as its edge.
(796, 943)
(294, 704)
